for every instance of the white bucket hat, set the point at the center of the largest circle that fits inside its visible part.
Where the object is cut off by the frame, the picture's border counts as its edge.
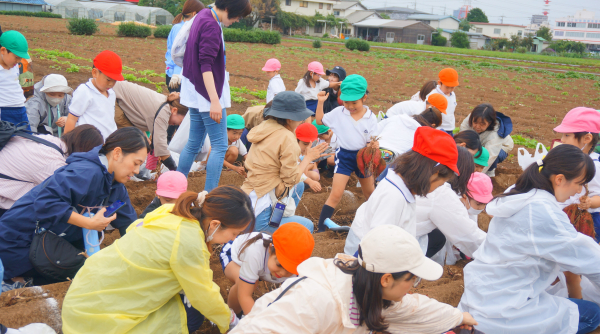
(389, 249)
(56, 83)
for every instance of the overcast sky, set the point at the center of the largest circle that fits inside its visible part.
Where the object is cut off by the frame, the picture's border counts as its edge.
(514, 11)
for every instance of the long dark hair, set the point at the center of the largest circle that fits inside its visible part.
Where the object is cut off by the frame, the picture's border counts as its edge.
(416, 169)
(484, 112)
(368, 293)
(422, 121)
(471, 140)
(235, 8)
(229, 205)
(82, 139)
(189, 7)
(426, 89)
(433, 115)
(307, 76)
(129, 139)
(466, 167)
(567, 160)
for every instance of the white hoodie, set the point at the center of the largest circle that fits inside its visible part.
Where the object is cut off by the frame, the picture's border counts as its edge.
(397, 133)
(529, 241)
(321, 304)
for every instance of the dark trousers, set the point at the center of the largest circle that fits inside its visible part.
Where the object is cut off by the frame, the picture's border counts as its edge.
(15, 115)
(2, 212)
(244, 139)
(194, 318)
(437, 240)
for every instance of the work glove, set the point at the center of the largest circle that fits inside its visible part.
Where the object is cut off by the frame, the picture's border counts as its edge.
(175, 81)
(170, 163)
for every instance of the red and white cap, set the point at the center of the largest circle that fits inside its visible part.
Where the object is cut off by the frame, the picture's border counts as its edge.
(272, 65)
(580, 119)
(316, 67)
(436, 145)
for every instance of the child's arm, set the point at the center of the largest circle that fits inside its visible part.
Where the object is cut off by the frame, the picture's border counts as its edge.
(322, 96)
(245, 291)
(238, 169)
(71, 122)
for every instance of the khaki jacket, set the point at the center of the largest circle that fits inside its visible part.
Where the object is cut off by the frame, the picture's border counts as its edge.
(491, 141)
(321, 304)
(273, 159)
(253, 116)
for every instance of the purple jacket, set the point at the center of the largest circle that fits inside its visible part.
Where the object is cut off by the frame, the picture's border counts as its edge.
(204, 53)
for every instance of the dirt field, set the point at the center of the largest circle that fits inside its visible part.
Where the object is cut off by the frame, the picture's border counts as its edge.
(536, 102)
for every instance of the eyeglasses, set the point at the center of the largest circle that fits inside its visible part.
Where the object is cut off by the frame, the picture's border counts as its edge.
(417, 282)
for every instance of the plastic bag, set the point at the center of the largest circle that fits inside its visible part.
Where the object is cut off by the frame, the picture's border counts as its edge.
(180, 42)
(525, 158)
(32, 329)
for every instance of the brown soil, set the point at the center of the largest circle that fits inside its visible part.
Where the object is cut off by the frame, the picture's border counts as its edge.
(535, 102)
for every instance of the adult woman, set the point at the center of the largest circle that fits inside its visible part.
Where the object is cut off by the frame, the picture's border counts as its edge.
(150, 111)
(205, 85)
(443, 219)
(493, 129)
(529, 241)
(90, 179)
(121, 289)
(173, 72)
(47, 110)
(273, 164)
(29, 163)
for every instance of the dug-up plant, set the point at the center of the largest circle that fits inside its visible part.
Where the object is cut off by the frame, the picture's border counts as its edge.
(131, 29)
(82, 26)
(162, 31)
(316, 44)
(357, 44)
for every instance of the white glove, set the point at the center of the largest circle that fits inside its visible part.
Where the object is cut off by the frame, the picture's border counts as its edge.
(233, 320)
(175, 81)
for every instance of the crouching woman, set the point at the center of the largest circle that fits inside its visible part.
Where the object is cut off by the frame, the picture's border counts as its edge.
(349, 295)
(133, 286)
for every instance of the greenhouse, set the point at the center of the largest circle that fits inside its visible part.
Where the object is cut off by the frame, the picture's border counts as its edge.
(110, 11)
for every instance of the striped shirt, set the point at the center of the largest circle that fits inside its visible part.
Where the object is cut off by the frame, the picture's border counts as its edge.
(354, 313)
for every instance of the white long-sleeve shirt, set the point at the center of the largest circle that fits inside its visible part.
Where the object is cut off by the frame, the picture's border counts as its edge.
(275, 87)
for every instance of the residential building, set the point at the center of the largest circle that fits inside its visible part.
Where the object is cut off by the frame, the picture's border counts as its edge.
(394, 31)
(476, 40)
(539, 44)
(437, 21)
(582, 27)
(498, 30)
(346, 8)
(23, 5)
(308, 7)
(397, 13)
(357, 16)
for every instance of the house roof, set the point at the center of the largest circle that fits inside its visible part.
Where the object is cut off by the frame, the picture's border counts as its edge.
(431, 17)
(398, 10)
(384, 23)
(360, 15)
(497, 24)
(347, 4)
(471, 34)
(28, 2)
(541, 39)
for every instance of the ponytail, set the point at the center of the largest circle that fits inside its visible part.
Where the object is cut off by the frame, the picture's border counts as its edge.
(176, 103)
(567, 160)
(307, 76)
(129, 139)
(433, 115)
(189, 7)
(422, 121)
(267, 243)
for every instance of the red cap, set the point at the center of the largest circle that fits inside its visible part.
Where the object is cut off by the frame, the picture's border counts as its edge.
(307, 132)
(449, 77)
(294, 244)
(439, 101)
(110, 64)
(436, 145)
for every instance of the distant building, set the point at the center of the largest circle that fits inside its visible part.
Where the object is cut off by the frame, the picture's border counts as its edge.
(308, 7)
(582, 27)
(398, 13)
(394, 31)
(498, 30)
(539, 19)
(345, 8)
(355, 17)
(437, 21)
(23, 5)
(476, 40)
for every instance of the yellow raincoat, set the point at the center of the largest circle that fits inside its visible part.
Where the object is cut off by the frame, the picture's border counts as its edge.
(133, 285)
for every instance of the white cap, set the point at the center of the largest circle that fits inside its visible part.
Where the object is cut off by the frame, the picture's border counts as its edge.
(56, 83)
(389, 249)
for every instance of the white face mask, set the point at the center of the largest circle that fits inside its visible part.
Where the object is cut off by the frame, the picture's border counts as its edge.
(209, 239)
(474, 212)
(54, 101)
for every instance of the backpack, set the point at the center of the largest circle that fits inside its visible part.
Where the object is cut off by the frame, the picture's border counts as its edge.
(8, 130)
(180, 42)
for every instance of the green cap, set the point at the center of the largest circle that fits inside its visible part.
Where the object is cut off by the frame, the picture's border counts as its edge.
(353, 88)
(321, 129)
(235, 122)
(15, 42)
(483, 159)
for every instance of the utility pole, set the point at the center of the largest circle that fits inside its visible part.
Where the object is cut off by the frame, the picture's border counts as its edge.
(431, 9)
(444, 10)
(415, 5)
(501, 18)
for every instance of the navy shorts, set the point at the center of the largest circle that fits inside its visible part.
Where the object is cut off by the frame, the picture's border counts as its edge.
(345, 163)
(15, 115)
(225, 256)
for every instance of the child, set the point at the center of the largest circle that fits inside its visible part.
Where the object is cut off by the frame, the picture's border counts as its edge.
(306, 135)
(236, 150)
(479, 194)
(327, 136)
(94, 101)
(337, 74)
(368, 294)
(354, 125)
(13, 47)
(169, 187)
(47, 110)
(481, 161)
(276, 85)
(448, 81)
(418, 172)
(421, 95)
(470, 140)
(258, 257)
(411, 108)
(311, 84)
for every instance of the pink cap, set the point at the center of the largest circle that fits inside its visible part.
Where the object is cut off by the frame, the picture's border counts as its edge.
(580, 119)
(316, 67)
(272, 65)
(171, 184)
(480, 188)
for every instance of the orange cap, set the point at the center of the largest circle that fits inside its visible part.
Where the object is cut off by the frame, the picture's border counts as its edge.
(294, 244)
(449, 77)
(439, 101)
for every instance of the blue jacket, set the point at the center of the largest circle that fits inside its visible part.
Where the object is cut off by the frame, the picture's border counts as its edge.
(172, 68)
(84, 181)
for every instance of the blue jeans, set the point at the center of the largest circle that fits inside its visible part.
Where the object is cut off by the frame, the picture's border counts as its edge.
(596, 218)
(200, 125)
(262, 220)
(589, 315)
(501, 156)
(14, 115)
